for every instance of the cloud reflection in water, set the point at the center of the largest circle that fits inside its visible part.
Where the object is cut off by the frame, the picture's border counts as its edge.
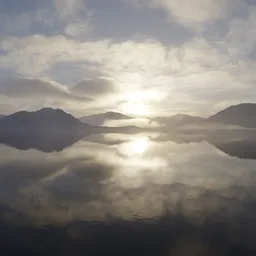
(104, 180)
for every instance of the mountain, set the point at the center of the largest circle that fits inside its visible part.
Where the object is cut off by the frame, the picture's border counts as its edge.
(49, 130)
(46, 130)
(242, 115)
(234, 117)
(99, 119)
(46, 120)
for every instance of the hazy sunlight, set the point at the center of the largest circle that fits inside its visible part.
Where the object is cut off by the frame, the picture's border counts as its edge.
(136, 109)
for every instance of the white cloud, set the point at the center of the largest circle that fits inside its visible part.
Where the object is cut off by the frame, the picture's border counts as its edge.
(146, 73)
(33, 55)
(186, 73)
(148, 59)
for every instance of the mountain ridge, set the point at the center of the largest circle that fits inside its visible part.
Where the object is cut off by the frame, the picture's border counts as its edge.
(49, 119)
(243, 114)
(50, 129)
(43, 120)
(99, 119)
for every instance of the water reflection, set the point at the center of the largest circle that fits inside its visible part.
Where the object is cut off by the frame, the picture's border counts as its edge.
(128, 194)
(140, 145)
(136, 146)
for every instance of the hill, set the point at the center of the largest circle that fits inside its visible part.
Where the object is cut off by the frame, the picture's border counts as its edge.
(46, 120)
(234, 117)
(242, 115)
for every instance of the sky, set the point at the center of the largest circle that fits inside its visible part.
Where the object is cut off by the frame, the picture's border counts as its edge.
(139, 57)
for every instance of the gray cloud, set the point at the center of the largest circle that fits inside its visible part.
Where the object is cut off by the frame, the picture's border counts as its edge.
(93, 87)
(35, 88)
(186, 74)
(194, 14)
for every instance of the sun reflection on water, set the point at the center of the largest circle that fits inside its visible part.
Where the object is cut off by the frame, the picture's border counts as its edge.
(140, 145)
(136, 147)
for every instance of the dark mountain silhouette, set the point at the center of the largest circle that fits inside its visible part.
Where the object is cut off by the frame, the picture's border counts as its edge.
(49, 130)
(46, 120)
(46, 130)
(99, 119)
(243, 115)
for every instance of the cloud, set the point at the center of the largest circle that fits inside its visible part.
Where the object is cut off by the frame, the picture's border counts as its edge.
(35, 88)
(193, 14)
(23, 93)
(94, 87)
(241, 37)
(179, 72)
(70, 16)
(182, 77)
(33, 55)
(6, 105)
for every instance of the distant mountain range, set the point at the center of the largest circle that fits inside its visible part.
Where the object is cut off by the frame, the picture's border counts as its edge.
(53, 129)
(100, 119)
(48, 120)
(242, 115)
(49, 129)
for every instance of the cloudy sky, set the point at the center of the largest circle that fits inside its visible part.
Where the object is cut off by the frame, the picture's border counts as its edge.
(141, 57)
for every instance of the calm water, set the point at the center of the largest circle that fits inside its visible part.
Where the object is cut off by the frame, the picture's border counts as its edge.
(129, 195)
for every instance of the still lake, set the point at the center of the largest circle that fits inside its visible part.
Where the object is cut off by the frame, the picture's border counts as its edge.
(119, 194)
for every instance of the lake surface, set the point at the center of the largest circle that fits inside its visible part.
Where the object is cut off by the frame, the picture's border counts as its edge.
(121, 194)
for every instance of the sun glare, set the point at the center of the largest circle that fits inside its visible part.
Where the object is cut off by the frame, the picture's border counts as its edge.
(135, 147)
(140, 146)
